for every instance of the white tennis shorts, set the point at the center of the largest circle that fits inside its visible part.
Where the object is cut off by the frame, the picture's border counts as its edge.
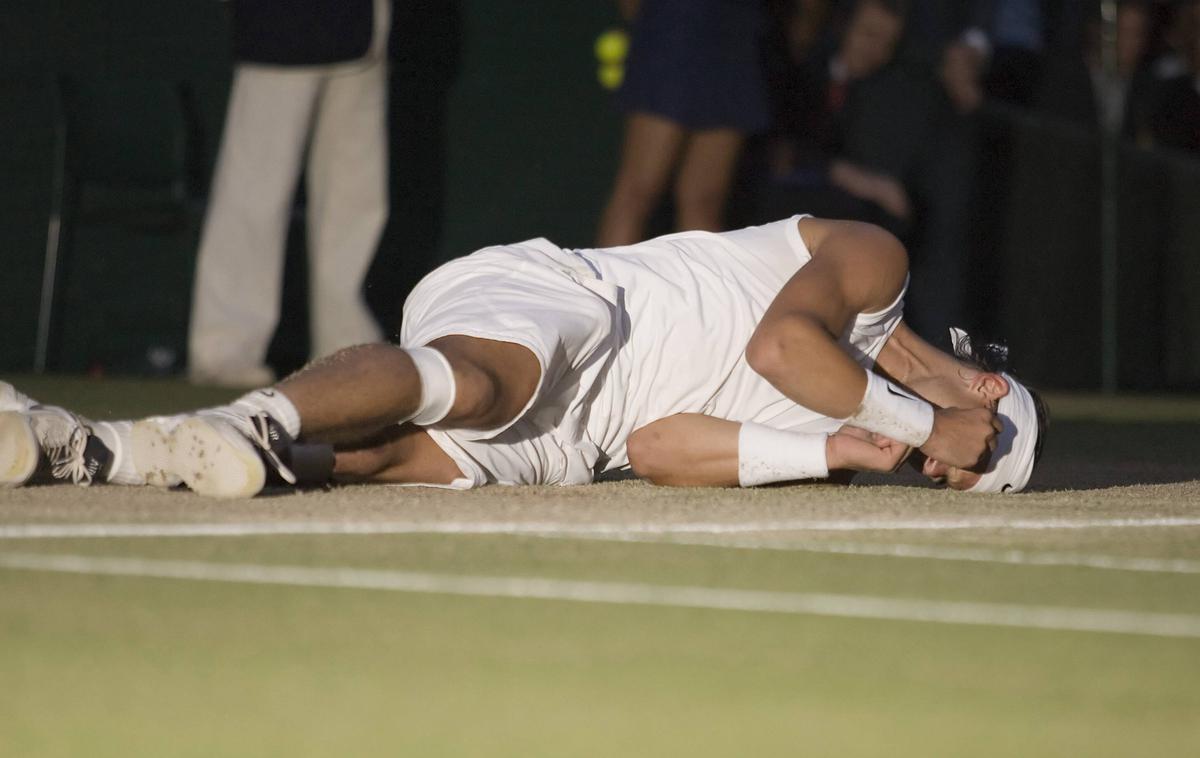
(548, 300)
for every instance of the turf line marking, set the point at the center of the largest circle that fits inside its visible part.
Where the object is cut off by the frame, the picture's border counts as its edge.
(934, 552)
(1052, 618)
(54, 531)
(667, 534)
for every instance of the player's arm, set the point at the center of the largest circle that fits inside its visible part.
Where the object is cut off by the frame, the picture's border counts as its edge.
(693, 450)
(856, 268)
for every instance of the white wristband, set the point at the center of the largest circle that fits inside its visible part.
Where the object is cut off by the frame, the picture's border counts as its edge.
(888, 410)
(438, 388)
(767, 455)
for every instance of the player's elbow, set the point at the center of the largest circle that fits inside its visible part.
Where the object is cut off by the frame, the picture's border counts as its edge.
(643, 449)
(650, 457)
(764, 352)
(771, 350)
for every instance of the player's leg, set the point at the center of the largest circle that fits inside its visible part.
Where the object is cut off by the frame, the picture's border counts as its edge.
(705, 176)
(351, 396)
(368, 387)
(235, 303)
(347, 204)
(651, 147)
(398, 454)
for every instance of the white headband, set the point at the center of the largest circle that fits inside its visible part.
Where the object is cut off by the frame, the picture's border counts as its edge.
(1012, 462)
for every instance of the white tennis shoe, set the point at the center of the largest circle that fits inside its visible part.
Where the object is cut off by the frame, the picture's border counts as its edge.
(150, 446)
(229, 455)
(19, 449)
(12, 400)
(53, 441)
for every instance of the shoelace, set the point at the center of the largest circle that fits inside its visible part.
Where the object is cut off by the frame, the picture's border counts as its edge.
(68, 460)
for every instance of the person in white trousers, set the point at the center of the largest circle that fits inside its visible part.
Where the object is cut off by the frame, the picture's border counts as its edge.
(338, 112)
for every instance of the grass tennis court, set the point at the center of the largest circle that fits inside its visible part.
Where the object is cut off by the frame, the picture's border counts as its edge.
(618, 619)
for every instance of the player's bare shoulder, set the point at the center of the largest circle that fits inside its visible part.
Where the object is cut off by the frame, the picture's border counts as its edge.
(871, 261)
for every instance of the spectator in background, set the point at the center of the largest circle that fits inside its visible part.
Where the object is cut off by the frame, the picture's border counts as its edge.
(849, 125)
(309, 74)
(973, 50)
(988, 48)
(693, 90)
(1017, 38)
(425, 60)
(1079, 89)
(944, 45)
(1176, 119)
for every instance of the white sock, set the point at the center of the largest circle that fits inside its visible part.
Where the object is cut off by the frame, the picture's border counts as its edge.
(272, 402)
(115, 436)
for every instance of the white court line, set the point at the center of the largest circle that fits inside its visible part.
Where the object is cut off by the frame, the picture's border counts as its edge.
(816, 604)
(939, 553)
(702, 535)
(539, 528)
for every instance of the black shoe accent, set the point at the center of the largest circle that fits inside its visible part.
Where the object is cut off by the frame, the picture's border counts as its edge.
(83, 460)
(274, 445)
(312, 463)
(97, 458)
(290, 463)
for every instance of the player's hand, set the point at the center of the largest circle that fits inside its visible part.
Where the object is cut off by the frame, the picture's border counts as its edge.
(857, 449)
(962, 436)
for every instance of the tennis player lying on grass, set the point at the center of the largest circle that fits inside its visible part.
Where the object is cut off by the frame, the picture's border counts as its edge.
(768, 354)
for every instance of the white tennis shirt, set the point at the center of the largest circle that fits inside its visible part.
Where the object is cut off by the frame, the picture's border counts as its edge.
(684, 306)
(693, 300)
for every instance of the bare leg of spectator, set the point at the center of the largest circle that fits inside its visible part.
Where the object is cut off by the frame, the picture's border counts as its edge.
(652, 144)
(705, 175)
(239, 270)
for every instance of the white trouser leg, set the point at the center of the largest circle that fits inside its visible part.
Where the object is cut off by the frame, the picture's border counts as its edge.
(347, 192)
(239, 269)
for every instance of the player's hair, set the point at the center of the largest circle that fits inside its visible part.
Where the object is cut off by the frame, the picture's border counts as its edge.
(992, 357)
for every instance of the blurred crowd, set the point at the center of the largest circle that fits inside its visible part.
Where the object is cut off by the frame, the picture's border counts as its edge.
(884, 111)
(887, 111)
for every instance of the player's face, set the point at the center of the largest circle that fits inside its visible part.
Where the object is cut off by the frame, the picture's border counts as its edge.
(953, 477)
(973, 389)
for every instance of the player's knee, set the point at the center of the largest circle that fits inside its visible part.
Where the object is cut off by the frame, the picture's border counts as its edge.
(493, 380)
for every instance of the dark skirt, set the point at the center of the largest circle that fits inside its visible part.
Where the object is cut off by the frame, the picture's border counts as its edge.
(698, 63)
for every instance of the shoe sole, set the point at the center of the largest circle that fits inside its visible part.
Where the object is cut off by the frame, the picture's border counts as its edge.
(19, 450)
(150, 443)
(215, 460)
